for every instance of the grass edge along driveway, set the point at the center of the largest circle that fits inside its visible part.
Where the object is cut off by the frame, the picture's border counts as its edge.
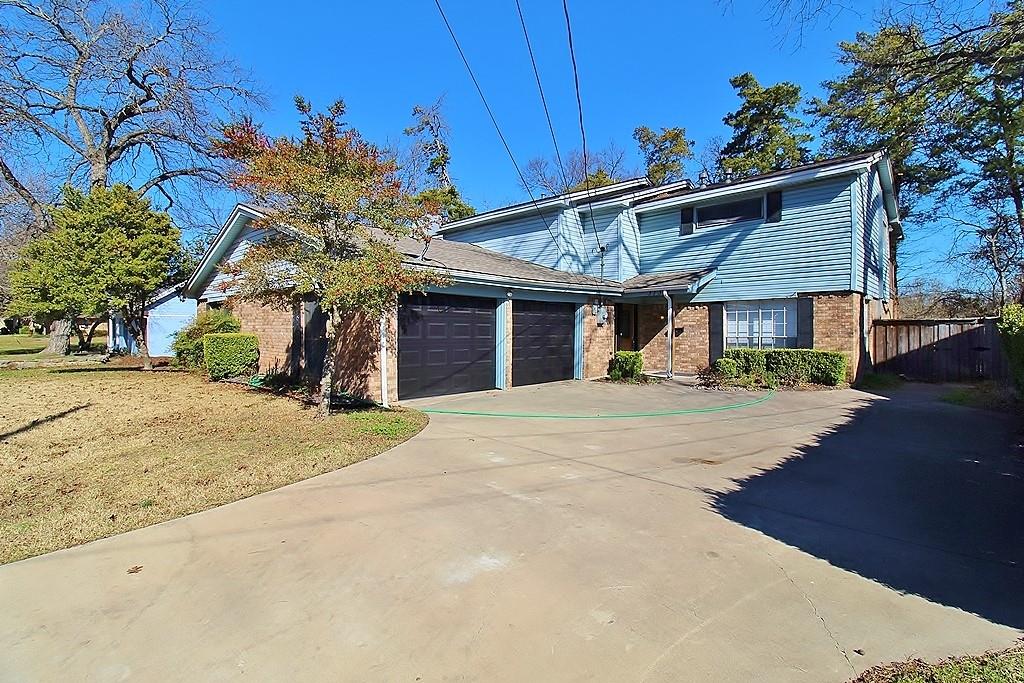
(87, 453)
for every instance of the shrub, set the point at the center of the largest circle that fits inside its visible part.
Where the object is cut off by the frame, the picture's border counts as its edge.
(25, 329)
(726, 367)
(748, 361)
(626, 365)
(1011, 331)
(231, 354)
(188, 342)
(794, 366)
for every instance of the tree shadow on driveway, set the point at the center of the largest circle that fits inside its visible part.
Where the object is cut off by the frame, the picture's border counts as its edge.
(921, 496)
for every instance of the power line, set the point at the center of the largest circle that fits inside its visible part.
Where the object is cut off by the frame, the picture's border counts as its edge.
(543, 100)
(583, 131)
(494, 121)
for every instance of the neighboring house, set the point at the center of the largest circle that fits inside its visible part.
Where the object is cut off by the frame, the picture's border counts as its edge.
(168, 313)
(549, 290)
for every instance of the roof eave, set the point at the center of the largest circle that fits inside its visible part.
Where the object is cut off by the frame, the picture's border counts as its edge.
(492, 280)
(215, 252)
(755, 185)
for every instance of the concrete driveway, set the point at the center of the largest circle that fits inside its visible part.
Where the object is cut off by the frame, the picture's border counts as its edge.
(805, 538)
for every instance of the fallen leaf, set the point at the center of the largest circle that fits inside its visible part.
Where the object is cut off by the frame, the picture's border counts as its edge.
(136, 569)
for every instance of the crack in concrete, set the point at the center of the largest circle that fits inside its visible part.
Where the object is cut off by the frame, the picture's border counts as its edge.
(814, 608)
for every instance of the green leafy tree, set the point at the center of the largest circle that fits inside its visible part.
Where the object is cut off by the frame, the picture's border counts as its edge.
(873, 106)
(766, 131)
(340, 200)
(664, 152)
(109, 252)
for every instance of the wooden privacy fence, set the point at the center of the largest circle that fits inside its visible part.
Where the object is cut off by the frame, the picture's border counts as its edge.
(949, 350)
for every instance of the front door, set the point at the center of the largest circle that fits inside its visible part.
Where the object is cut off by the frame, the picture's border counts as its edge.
(626, 327)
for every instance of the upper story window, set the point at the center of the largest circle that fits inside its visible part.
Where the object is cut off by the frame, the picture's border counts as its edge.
(767, 207)
(730, 212)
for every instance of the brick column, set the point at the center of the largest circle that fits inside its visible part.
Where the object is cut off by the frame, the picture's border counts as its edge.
(598, 341)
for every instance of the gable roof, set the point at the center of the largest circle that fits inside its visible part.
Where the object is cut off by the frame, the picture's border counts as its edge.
(467, 263)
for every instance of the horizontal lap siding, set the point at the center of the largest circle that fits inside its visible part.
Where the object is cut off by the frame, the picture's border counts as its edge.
(526, 238)
(808, 250)
(219, 285)
(603, 224)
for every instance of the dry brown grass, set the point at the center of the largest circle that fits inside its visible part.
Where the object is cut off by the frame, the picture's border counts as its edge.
(85, 454)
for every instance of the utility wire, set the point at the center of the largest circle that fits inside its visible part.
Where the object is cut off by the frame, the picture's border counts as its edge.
(494, 121)
(583, 131)
(543, 100)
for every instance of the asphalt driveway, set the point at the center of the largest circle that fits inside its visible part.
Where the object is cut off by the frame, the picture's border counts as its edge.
(804, 538)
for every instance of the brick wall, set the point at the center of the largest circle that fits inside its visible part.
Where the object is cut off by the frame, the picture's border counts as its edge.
(358, 357)
(508, 344)
(275, 327)
(691, 345)
(598, 341)
(839, 326)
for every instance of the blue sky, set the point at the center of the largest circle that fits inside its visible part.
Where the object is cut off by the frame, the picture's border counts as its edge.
(659, 63)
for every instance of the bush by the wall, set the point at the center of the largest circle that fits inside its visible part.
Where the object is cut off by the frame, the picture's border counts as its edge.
(25, 329)
(726, 367)
(748, 361)
(770, 367)
(626, 366)
(1011, 331)
(231, 354)
(795, 366)
(188, 342)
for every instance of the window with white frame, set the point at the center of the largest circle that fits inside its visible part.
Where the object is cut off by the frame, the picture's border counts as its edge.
(760, 324)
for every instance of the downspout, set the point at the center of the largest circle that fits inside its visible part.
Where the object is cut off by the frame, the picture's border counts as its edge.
(384, 360)
(668, 333)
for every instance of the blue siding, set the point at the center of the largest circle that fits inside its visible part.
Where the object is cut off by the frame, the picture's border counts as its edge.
(809, 250)
(629, 250)
(601, 229)
(218, 288)
(874, 247)
(500, 331)
(527, 238)
(577, 351)
(570, 236)
(166, 317)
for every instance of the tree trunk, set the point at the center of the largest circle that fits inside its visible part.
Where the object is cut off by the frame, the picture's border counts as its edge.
(60, 335)
(136, 327)
(327, 376)
(92, 332)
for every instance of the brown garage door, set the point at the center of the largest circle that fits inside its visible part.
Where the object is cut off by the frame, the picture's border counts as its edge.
(542, 341)
(445, 344)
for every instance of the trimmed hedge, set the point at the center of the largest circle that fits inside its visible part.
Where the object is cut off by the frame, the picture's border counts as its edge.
(626, 365)
(727, 367)
(188, 342)
(231, 354)
(789, 366)
(748, 361)
(1011, 331)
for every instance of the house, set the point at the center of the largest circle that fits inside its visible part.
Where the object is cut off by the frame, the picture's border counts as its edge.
(165, 316)
(549, 289)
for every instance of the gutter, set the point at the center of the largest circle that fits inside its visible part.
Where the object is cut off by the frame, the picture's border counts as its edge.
(741, 187)
(488, 280)
(892, 210)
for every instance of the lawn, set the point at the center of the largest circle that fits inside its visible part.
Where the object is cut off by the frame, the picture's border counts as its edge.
(19, 345)
(87, 453)
(992, 667)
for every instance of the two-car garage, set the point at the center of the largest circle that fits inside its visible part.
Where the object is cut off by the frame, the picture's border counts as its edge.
(450, 343)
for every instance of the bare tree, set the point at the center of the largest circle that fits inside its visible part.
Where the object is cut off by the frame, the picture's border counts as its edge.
(116, 96)
(599, 168)
(94, 92)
